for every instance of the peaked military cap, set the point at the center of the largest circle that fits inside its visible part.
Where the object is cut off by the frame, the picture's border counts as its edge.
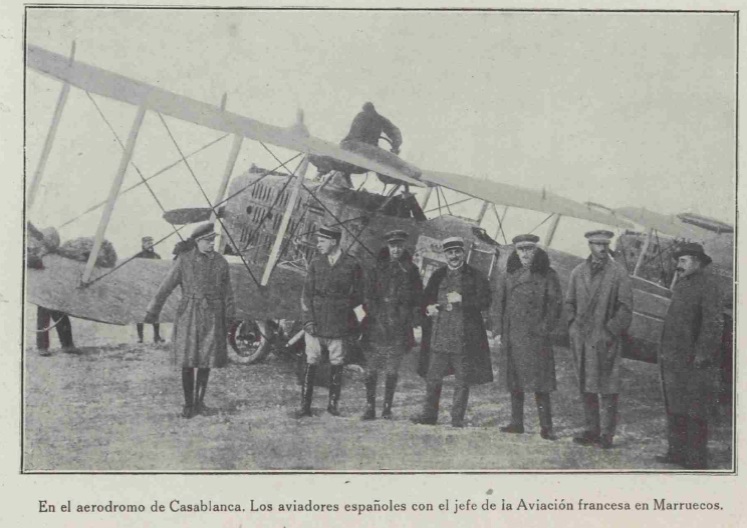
(397, 235)
(334, 233)
(453, 243)
(204, 231)
(693, 249)
(525, 240)
(599, 236)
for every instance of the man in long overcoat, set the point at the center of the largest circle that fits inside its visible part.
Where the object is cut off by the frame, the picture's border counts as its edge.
(599, 301)
(393, 293)
(689, 358)
(455, 340)
(203, 315)
(528, 307)
(332, 289)
(148, 252)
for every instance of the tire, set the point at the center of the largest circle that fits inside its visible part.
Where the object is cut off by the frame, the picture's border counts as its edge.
(250, 342)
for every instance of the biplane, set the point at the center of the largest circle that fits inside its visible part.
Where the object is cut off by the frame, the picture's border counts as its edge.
(267, 218)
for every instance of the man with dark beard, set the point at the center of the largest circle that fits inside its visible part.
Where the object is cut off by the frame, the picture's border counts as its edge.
(393, 296)
(529, 302)
(206, 309)
(688, 358)
(455, 340)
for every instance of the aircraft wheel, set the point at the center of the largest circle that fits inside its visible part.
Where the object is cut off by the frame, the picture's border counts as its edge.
(250, 342)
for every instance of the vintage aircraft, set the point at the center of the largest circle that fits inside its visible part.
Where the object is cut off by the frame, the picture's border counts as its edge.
(267, 219)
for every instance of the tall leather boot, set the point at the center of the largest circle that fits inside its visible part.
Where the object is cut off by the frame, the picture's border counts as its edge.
(370, 382)
(591, 416)
(459, 405)
(307, 391)
(429, 416)
(696, 454)
(544, 410)
(608, 419)
(517, 414)
(676, 440)
(389, 388)
(188, 385)
(203, 374)
(335, 387)
(139, 327)
(157, 333)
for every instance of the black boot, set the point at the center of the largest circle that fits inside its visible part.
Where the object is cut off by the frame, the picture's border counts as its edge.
(201, 387)
(544, 410)
(370, 413)
(139, 327)
(590, 435)
(156, 333)
(307, 391)
(429, 416)
(335, 387)
(459, 406)
(188, 385)
(391, 385)
(517, 414)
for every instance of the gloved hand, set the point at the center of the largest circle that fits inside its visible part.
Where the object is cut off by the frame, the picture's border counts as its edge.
(431, 310)
(454, 297)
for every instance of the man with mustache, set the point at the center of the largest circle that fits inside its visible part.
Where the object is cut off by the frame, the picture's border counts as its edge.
(600, 308)
(688, 358)
(454, 340)
(528, 306)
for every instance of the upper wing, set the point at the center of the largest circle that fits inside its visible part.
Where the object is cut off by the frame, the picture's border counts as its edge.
(669, 225)
(121, 88)
(511, 195)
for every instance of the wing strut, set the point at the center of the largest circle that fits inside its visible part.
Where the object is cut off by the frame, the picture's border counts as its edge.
(114, 192)
(644, 250)
(275, 253)
(47, 148)
(553, 228)
(232, 157)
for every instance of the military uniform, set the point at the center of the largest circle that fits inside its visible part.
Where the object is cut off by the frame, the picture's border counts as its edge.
(393, 293)
(202, 317)
(333, 287)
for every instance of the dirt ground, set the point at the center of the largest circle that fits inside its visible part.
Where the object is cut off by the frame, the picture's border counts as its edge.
(115, 407)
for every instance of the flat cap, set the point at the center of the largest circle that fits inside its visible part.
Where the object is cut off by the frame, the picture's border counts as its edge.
(453, 243)
(147, 239)
(204, 231)
(334, 233)
(599, 236)
(397, 235)
(525, 240)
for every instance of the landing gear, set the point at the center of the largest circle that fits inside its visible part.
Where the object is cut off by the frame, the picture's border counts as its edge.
(251, 341)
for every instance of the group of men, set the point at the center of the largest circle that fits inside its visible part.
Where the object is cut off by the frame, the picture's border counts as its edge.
(454, 313)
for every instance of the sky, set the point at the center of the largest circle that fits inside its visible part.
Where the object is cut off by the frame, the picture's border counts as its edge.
(616, 108)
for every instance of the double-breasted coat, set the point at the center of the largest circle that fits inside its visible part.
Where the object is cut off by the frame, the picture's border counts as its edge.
(330, 292)
(476, 298)
(692, 329)
(600, 310)
(527, 308)
(206, 308)
(393, 294)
